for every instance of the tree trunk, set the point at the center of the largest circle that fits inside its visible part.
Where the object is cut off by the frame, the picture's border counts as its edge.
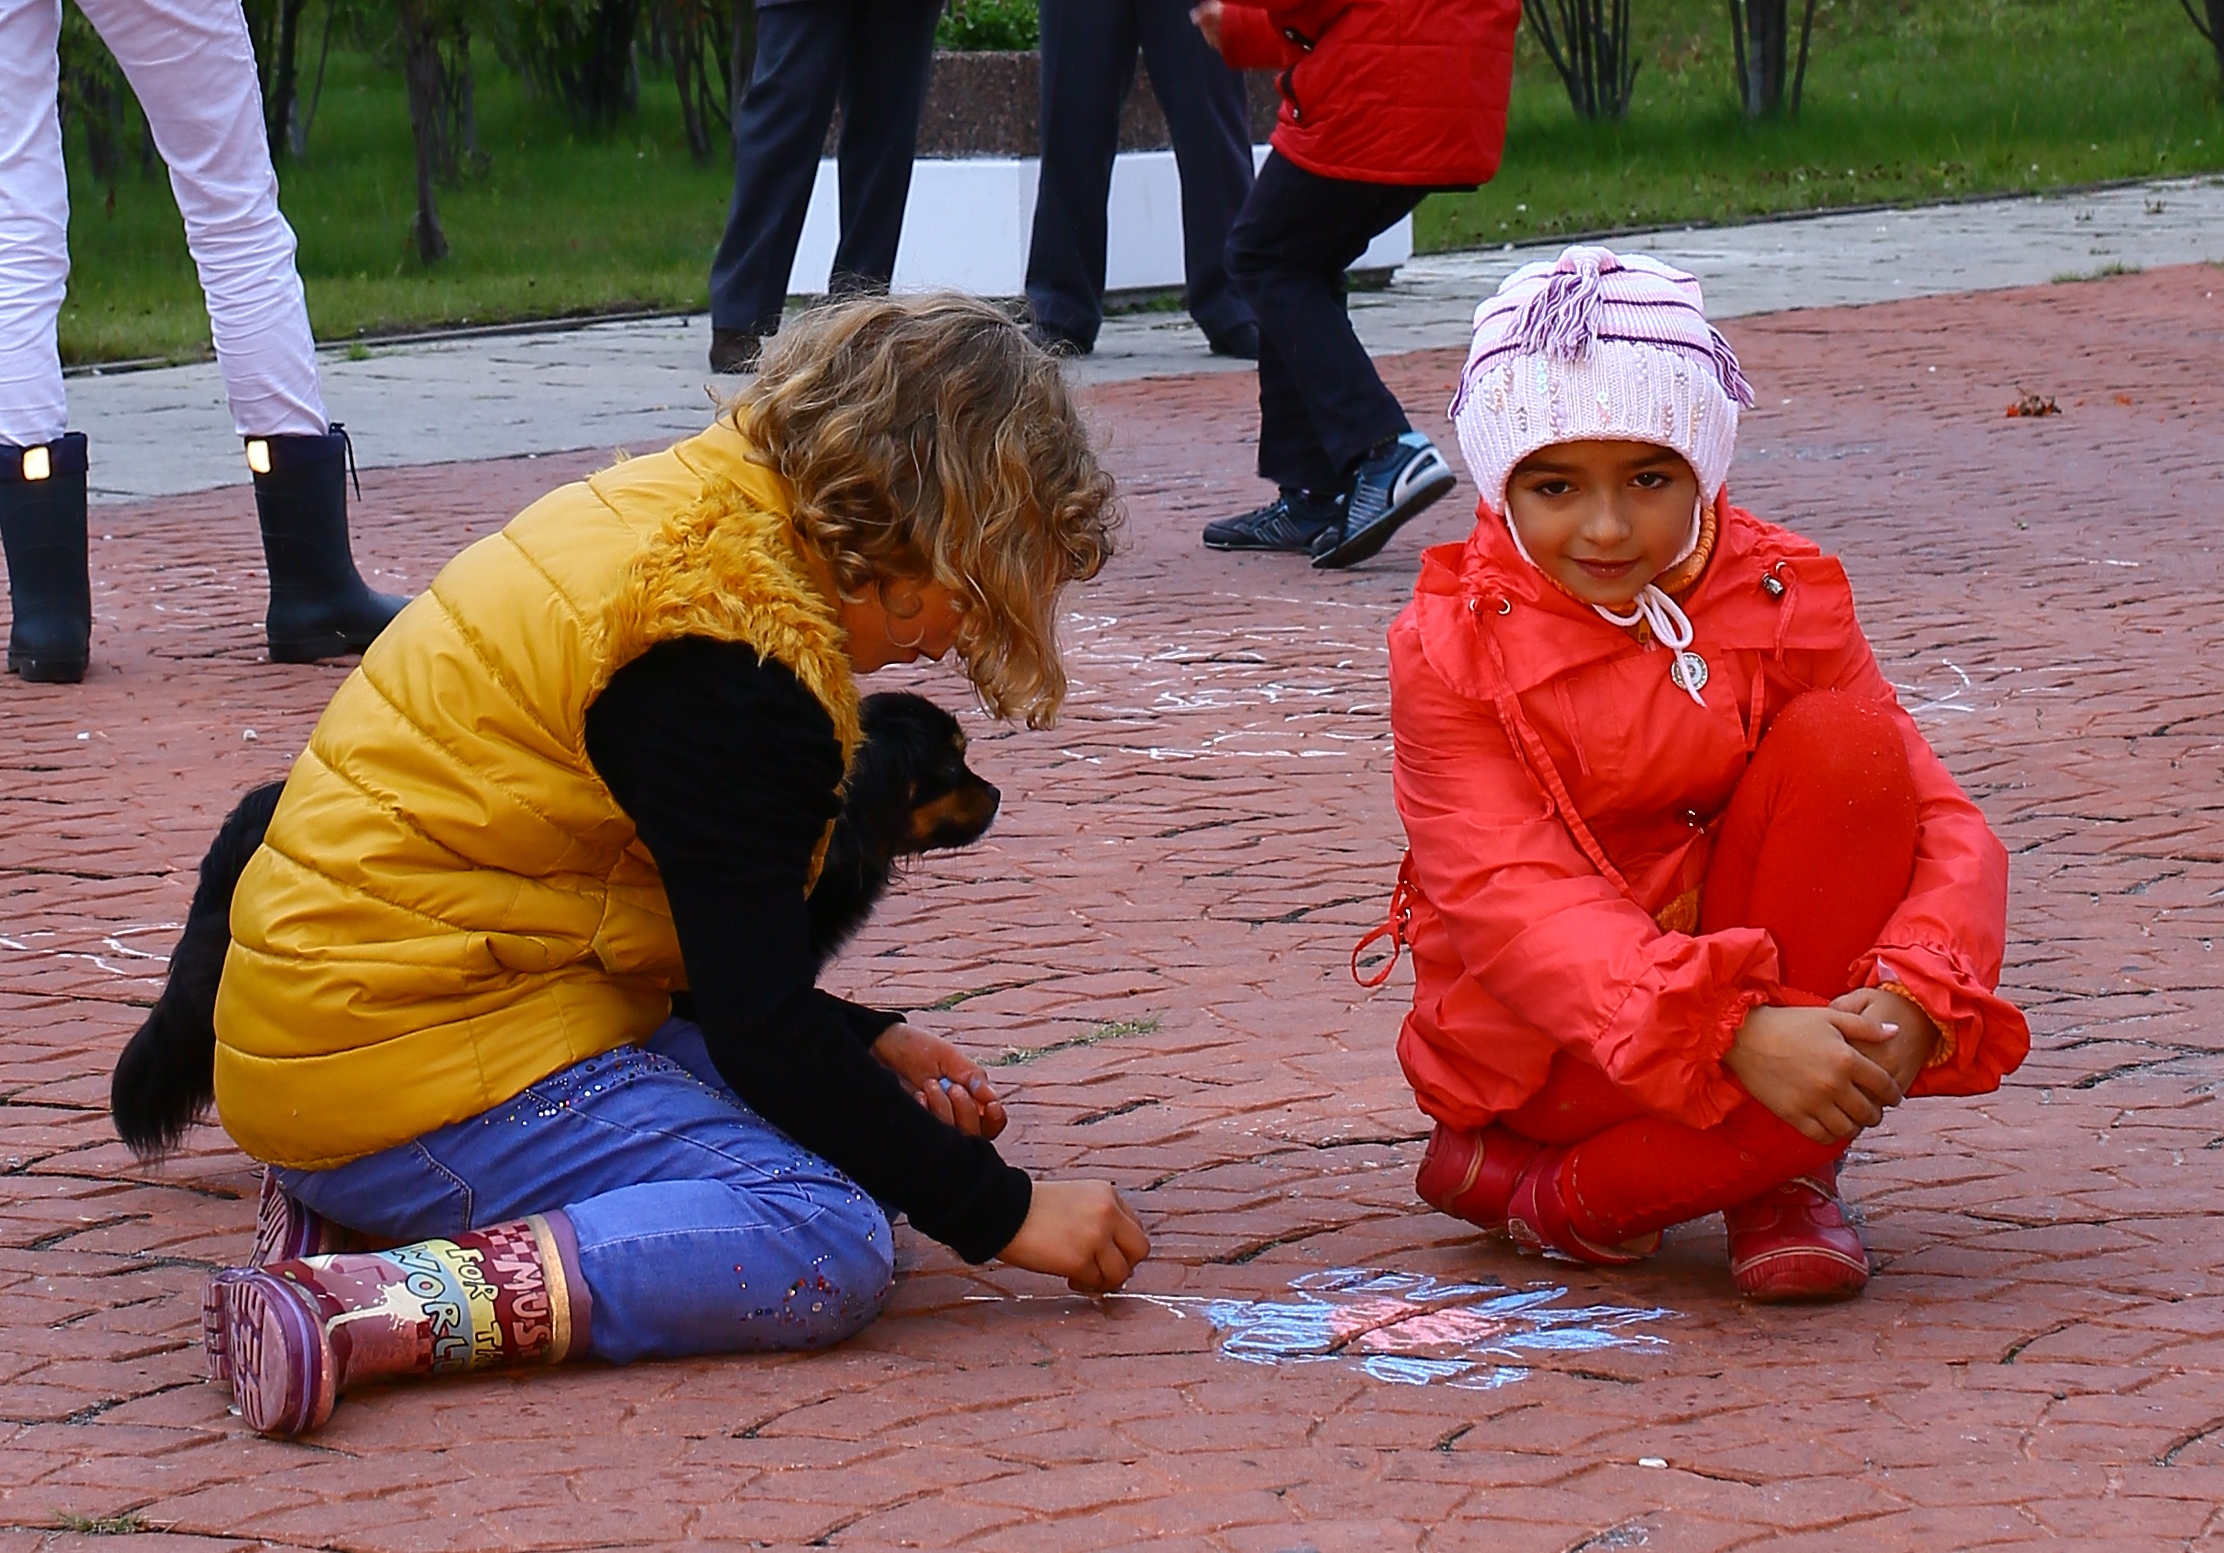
(1589, 44)
(2212, 29)
(279, 105)
(421, 27)
(1766, 31)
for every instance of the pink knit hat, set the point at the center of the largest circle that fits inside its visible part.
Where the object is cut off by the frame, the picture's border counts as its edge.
(1597, 346)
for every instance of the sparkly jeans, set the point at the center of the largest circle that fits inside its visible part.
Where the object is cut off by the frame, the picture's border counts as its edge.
(701, 1227)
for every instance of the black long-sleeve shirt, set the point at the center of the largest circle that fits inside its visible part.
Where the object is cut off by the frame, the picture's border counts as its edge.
(729, 770)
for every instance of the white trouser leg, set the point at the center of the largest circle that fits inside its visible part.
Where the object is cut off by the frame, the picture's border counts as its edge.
(193, 69)
(34, 224)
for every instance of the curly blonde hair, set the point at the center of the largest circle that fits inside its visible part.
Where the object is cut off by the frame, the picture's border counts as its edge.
(927, 439)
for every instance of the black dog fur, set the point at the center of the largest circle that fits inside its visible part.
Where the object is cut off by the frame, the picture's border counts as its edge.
(165, 1078)
(909, 791)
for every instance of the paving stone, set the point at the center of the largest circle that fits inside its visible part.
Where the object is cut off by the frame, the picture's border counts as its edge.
(1151, 948)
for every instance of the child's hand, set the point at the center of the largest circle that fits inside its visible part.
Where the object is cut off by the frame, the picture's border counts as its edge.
(943, 1079)
(1900, 1038)
(1082, 1232)
(1798, 1062)
(1207, 17)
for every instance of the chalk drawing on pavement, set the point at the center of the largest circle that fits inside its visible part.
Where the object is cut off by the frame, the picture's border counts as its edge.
(1411, 1329)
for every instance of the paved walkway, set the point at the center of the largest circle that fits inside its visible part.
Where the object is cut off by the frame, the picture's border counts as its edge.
(1151, 945)
(166, 432)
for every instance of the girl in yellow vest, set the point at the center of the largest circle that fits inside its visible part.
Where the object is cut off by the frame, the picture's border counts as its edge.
(594, 765)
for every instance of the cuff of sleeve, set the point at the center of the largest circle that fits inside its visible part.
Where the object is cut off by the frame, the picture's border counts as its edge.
(1982, 1037)
(982, 1224)
(1249, 40)
(1717, 1092)
(868, 1024)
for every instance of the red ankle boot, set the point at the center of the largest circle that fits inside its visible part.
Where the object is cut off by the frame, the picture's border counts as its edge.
(1537, 1217)
(1793, 1243)
(298, 1333)
(1471, 1175)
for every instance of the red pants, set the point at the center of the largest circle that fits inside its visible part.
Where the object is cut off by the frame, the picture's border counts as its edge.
(1817, 847)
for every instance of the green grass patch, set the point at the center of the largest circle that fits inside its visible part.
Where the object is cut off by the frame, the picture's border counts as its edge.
(558, 224)
(1907, 100)
(129, 1524)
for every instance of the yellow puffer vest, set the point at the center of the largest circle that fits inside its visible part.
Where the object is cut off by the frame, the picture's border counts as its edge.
(449, 904)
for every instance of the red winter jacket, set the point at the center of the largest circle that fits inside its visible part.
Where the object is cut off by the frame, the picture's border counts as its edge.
(1384, 91)
(1522, 946)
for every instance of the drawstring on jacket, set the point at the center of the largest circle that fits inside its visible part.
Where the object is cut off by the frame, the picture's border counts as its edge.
(1670, 627)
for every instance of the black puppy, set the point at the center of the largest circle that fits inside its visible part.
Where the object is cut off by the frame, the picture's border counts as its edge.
(909, 791)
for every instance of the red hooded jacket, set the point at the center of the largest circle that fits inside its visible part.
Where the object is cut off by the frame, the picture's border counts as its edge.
(1523, 945)
(1384, 91)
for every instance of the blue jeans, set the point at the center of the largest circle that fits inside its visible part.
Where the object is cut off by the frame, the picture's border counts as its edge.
(701, 1227)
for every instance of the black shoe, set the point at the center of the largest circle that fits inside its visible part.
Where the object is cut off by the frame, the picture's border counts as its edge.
(1063, 346)
(42, 526)
(735, 350)
(1293, 521)
(1241, 342)
(320, 606)
(1389, 488)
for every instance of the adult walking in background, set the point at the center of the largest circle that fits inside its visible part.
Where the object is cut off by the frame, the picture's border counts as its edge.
(1088, 68)
(192, 68)
(1383, 102)
(871, 56)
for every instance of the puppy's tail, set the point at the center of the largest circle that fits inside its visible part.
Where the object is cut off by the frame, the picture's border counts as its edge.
(166, 1077)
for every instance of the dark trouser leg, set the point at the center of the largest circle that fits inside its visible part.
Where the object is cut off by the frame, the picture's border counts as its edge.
(1321, 403)
(778, 130)
(1088, 67)
(884, 86)
(1211, 130)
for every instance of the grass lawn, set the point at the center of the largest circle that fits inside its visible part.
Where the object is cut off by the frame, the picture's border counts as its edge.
(1906, 100)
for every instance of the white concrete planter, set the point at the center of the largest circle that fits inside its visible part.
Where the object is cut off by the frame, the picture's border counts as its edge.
(967, 222)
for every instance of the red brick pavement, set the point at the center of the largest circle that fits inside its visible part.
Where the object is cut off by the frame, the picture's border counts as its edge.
(1153, 944)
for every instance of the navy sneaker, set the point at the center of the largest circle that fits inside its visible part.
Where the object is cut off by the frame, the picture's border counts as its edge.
(1387, 490)
(1293, 521)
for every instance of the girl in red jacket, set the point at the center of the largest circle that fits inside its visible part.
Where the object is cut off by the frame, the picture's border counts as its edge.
(1691, 902)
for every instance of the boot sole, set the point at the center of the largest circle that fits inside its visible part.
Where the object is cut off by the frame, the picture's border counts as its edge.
(1243, 549)
(315, 649)
(1368, 542)
(1800, 1274)
(282, 1365)
(49, 671)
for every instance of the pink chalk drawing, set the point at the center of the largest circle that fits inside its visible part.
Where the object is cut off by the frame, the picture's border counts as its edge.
(1410, 1329)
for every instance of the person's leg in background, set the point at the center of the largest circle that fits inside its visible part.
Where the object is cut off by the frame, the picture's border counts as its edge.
(884, 88)
(1817, 847)
(779, 127)
(42, 468)
(621, 1208)
(1210, 125)
(1088, 68)
(1326, 420)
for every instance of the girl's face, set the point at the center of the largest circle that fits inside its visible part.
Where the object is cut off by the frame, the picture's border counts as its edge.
(1603, 519)
(900, 622)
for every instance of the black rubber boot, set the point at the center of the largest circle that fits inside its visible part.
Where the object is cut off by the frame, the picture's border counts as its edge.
(320, 606)
(42, 522)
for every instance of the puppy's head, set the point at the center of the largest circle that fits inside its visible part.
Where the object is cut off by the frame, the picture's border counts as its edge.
(910, 785)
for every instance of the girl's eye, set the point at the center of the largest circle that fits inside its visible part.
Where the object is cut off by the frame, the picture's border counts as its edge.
(1552, 487)
(1652, 480)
